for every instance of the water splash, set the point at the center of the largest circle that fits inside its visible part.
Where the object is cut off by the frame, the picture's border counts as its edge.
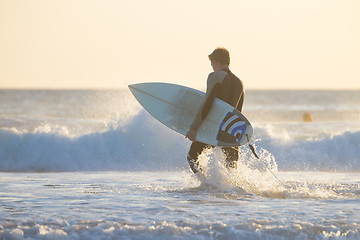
(248, 179)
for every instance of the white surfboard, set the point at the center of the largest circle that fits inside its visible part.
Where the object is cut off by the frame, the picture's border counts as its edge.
(176, 107)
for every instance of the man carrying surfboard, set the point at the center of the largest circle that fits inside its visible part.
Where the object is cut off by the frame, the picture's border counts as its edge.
(222, 84)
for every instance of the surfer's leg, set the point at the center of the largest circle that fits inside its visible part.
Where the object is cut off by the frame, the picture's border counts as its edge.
(232, 157)
(193, 155)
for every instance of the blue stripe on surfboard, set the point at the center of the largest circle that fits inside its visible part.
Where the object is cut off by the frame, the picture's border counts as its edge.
(225, 119)
(241, 128)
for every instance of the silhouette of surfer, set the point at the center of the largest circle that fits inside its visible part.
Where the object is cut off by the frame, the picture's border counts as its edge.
(222, 84)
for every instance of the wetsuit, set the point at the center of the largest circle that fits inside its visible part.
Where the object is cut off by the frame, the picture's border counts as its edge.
(229, 88)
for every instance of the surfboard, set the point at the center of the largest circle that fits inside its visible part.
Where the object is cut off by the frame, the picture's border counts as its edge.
(176, 106)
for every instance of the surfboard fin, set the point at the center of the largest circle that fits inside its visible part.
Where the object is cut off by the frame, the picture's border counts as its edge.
(252, 148)
(253, 151)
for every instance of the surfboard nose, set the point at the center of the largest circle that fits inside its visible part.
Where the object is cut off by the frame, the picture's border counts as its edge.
(132, 87)
(135, 86)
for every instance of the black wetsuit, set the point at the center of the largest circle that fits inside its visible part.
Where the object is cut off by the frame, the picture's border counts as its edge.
(230, 89)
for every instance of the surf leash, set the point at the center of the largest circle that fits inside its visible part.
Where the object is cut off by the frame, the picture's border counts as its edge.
(263, 163)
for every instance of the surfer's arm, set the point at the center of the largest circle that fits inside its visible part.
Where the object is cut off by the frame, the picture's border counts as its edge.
(198, 117)
(212, 81)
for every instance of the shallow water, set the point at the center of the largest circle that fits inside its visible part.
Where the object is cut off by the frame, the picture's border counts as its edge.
(168, 205)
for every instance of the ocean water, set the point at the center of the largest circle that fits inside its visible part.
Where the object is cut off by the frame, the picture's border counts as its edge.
(95, 165)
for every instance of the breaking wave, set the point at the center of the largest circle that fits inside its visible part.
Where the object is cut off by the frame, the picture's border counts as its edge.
(145, 144)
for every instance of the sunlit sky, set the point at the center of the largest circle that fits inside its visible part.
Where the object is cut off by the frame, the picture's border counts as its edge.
(278, 44)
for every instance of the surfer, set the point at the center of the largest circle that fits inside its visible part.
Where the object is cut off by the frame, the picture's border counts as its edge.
(222, 84)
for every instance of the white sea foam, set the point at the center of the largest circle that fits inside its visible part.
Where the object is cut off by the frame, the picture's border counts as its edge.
(253, 229)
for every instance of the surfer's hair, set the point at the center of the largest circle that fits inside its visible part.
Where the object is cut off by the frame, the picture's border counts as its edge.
(220, 55)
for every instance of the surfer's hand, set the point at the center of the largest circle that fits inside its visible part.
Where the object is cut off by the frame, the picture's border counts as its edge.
(191, 135)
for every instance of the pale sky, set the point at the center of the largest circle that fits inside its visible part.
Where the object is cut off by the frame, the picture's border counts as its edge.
(277, 44)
